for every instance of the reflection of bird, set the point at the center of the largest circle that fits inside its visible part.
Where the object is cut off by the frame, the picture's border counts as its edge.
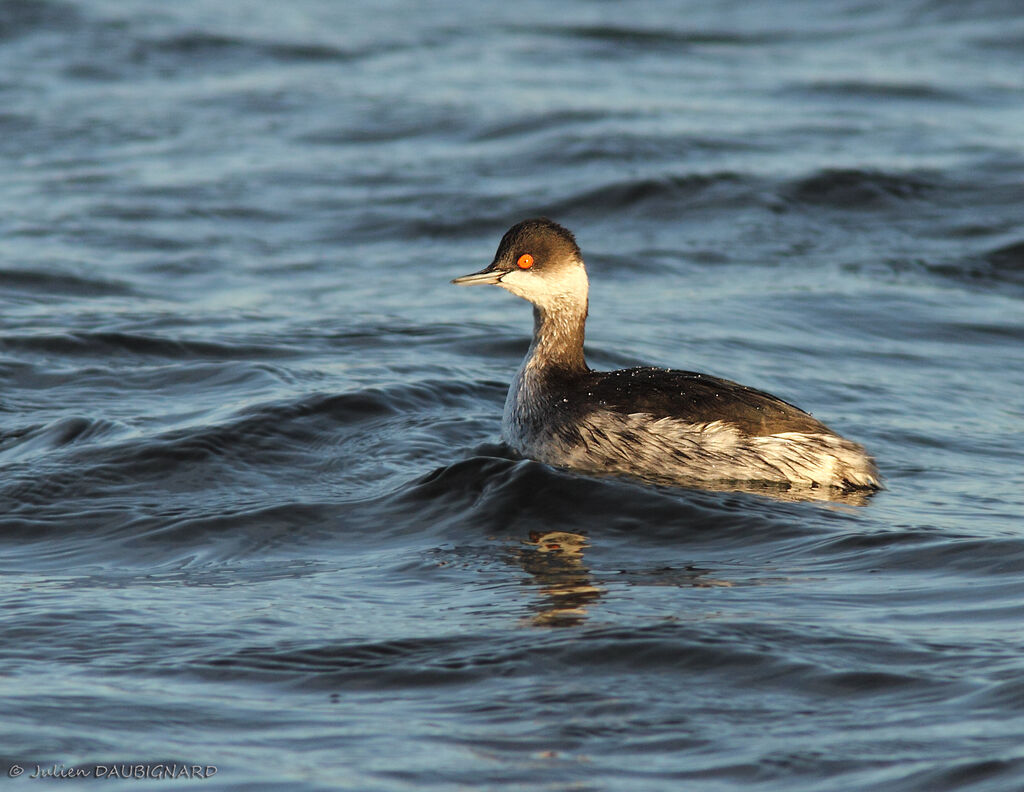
(571, 544)
(655, 423)
(556, 564)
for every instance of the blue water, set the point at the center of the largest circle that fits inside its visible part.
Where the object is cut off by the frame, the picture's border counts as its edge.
(254, 509)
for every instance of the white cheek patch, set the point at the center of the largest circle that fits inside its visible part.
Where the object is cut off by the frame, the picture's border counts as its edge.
(561, 286)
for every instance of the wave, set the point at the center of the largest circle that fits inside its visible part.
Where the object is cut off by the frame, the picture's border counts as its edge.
(107, 49)
(113, 343)
(23, 17)
(735, 653)
(197, 45)
(670, 195)
(961, 773)
(879, 90)
(853, 188)
(26, 441)
(537, 123)
(1000, 268)
(667, 195)
(979, 10)
(650, 38)
(1007, 262)
(428, 661)
(63, 283)
(337, 448)
(499, 491)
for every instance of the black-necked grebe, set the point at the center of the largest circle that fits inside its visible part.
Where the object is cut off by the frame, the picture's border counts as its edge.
(654, 423)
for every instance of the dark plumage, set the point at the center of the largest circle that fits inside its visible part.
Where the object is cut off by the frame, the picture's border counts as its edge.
(698, 398)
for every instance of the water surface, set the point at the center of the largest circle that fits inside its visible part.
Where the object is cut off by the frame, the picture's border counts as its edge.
(254, 509)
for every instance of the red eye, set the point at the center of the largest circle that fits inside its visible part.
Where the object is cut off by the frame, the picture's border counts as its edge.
(525, 261)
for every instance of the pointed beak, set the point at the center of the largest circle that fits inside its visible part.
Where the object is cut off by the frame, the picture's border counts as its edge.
(484, 276)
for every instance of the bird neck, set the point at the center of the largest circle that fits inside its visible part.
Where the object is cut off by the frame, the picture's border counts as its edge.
(558, 336)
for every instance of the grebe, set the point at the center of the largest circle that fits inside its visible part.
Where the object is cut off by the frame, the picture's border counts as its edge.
(658, 424)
